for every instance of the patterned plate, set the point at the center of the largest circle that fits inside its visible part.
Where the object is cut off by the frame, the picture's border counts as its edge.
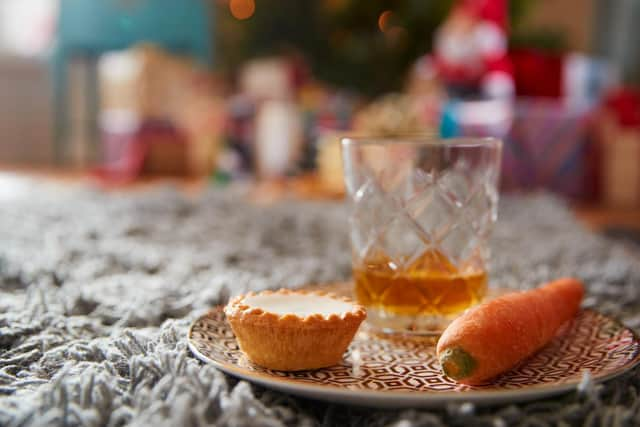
(386, 371)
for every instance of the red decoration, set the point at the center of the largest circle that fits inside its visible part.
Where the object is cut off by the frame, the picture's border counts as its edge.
(471, 48)
(625, 103)
(493, 10)
(537, 73)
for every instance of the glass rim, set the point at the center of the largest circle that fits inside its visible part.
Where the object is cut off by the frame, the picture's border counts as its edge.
(422, 140)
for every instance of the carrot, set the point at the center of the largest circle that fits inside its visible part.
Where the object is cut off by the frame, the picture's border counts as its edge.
(497, 335)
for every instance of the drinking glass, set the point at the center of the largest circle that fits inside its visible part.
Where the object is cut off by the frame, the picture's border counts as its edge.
(421, 214)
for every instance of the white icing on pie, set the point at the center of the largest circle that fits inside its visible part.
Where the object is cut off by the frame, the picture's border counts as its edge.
(299, 304)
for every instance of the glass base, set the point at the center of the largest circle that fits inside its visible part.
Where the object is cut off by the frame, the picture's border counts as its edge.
(379, 320)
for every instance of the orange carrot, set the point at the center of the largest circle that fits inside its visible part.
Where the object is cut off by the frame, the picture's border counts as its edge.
(497, 335)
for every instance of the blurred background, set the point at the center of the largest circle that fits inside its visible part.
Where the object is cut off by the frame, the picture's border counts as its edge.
(259, 92)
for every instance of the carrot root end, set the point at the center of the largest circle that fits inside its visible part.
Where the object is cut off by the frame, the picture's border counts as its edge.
(457, 363)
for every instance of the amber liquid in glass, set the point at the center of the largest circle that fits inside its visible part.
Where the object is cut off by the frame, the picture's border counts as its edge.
(431, 285)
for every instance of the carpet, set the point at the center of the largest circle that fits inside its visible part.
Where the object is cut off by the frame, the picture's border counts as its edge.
(97, 291)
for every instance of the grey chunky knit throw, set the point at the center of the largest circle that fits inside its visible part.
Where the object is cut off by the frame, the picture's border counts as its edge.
(97, 291)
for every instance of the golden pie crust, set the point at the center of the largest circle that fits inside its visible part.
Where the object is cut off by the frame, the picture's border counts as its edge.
(291, 342)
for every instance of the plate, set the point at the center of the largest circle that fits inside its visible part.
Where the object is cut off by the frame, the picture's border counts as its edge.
(402, 371)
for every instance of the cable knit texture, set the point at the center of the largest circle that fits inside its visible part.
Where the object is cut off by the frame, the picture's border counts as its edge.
(97, 291)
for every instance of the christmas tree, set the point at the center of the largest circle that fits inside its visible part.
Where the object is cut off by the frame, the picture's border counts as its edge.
(366, 46)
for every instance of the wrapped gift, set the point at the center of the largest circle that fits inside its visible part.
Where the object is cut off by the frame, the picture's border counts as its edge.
(620, 171)
(155, 87)
(549, 147)
(546, 143)
(132, 147)
(619, 132)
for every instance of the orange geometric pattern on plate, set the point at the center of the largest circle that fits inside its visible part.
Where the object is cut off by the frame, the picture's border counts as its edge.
(398, 363)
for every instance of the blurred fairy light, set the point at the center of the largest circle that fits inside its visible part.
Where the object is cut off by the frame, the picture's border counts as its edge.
(397, 35)
(383, 20)
(242, 9)
(394, 34)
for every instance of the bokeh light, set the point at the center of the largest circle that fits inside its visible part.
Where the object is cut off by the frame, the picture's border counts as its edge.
(383, 20)
(397, 35)
(242, 9)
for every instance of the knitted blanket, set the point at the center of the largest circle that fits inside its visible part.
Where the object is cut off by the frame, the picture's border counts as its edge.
(97, 292)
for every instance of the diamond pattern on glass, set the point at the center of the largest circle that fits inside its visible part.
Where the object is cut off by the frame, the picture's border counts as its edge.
(450, 212)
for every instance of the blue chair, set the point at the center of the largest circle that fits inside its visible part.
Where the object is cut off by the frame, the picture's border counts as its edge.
(89, 28)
